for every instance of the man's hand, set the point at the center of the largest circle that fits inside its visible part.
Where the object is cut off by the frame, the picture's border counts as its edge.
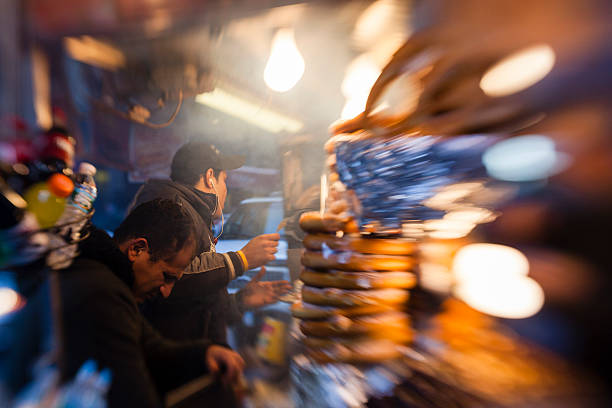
(218, 357)
(257, 294)
(261, 249)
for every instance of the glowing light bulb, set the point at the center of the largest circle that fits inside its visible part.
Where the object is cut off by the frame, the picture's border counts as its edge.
(360, 76)
(524, 158)
(285, 66)
(518, 71)
(479, 261)
(352, 108)
(9, 300)
(492, 279)
(374, 21)
(516, 297)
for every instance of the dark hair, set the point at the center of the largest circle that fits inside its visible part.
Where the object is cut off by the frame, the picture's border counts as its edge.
(191, 161)
(165, 224)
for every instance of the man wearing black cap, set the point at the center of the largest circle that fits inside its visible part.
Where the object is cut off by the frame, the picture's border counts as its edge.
(200, 306)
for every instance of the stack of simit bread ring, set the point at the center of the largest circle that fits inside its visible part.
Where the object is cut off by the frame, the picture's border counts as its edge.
(355, 292)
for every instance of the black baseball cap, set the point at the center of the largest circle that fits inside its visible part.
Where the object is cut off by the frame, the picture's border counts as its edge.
(193, 159)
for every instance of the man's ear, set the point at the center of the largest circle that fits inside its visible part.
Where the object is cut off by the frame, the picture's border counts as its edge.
(136, 247)
(210, 174)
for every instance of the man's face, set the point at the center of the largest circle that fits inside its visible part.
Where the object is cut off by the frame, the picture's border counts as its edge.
(221, 191)
(152, 278)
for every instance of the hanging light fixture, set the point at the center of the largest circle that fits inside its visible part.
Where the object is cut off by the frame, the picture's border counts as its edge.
(285, 66)
(360, 76)
(249, 111)
(10, 301)
(518, 71)
(525, 158)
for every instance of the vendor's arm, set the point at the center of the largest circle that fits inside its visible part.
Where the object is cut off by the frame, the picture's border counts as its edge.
(211, 271)
(207, 274)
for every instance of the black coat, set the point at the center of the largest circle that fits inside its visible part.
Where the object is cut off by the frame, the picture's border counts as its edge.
(101, 321)
(199, 306)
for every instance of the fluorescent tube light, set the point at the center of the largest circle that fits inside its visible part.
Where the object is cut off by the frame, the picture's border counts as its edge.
(225, 102)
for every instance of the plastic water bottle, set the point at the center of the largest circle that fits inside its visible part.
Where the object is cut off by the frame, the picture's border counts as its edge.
(85, 192)
(74, 218)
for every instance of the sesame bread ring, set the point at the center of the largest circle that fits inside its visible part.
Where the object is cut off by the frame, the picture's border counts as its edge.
(330, 162)
(313, 222)
(338, 206)
(345, 326)
(358, 280)
(348, 298)
(308, 311)
(376, 246)
(353, 261)
(363, 351)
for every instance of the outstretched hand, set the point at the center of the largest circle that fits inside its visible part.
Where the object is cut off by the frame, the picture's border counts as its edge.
(261, 249)
(257, 294)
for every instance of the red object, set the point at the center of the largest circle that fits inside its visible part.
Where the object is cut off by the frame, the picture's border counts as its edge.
(17, 151)
(57, 145)
(24, 150)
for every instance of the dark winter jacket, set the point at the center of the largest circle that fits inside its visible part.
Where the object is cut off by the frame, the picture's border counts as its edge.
(199, 306)
(101, 321)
